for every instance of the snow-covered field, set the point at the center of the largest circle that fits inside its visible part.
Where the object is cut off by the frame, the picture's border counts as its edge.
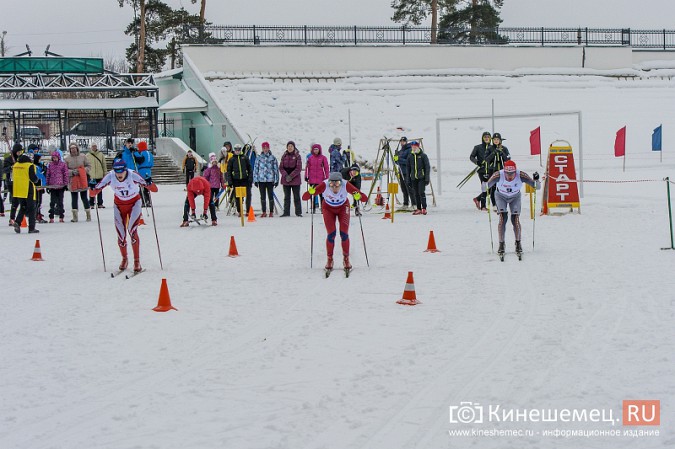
(264, 352)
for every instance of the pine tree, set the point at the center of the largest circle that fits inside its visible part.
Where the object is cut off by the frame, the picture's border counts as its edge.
(414, 11)
(473, 22)
(140, 8)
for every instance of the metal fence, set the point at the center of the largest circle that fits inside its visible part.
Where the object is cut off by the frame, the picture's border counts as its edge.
(356, 35)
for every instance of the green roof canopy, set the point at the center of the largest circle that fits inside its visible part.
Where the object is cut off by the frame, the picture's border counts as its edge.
(51, 65)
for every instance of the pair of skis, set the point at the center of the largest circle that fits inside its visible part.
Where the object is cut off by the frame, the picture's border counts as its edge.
(518, 253)
(128, 276)
(328, 271)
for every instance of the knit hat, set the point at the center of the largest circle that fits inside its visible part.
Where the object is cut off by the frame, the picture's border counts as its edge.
(237, 147)
(509, 167)
(265, 145)
(337, 141)
(212, 156)
(119, 165)
(335, 176)
(316, 146)
(142, 146)
(414, 143)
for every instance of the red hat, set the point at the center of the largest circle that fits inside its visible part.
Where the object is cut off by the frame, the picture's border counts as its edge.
(142, 146)
(509, 167)
(265, 144)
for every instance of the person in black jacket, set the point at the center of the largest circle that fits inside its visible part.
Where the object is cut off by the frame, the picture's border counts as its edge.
(240, 174)
(25, 191)
(418, 170)
(190, 167)
(401, 158)
(353, 175)
(478, 155)
(497, 155)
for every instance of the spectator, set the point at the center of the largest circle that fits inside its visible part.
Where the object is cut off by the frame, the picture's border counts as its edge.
(337, 159)
(290, 167)
(25, 191)
(316, 170)
(401, 158)
(78, 171)
(57, 180)
(418, 170)
(214, 176)
(144, 161)
(266, 177)
(190, 166)
(240, 174)
(353, 175)
(97, 171)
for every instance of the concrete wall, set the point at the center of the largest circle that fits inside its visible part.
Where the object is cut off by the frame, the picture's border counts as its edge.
(652, 55)
(256, 58)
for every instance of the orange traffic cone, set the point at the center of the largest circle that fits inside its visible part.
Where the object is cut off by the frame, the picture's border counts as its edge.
(24, 224)
(409, 298)
(251, 215)
(379, 200)
(164, 301)
(387, 214)
(37, 254)
(233, 248)
(431, 246)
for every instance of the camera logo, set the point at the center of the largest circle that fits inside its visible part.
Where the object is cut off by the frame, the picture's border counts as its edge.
(466, 413)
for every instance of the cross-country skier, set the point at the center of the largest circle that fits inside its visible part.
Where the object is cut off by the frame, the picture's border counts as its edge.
(126, 185)
(508, 183)
(336, 205)
(199, 185)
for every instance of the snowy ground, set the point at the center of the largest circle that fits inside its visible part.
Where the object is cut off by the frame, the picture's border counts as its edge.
(264, 352)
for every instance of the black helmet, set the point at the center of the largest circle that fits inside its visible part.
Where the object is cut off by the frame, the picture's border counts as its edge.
(497, 136)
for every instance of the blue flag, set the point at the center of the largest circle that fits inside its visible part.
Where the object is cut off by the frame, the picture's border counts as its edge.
(656, 139)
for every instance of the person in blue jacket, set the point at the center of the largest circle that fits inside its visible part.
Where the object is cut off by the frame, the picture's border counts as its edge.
(126, 153)
(143, 163)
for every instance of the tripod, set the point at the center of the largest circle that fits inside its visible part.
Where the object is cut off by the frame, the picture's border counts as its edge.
(384, 155)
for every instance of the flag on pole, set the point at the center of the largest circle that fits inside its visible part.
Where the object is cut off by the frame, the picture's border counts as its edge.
(620, 143)
(535, 141)
(656, 139)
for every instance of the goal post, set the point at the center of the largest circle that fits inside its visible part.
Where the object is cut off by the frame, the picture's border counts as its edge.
(441, 120)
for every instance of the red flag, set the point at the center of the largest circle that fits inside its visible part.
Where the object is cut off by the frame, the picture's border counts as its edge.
(535, 141)
(620, 143)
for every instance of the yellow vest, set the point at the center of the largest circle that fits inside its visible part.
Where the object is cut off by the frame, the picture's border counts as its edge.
(22, 183)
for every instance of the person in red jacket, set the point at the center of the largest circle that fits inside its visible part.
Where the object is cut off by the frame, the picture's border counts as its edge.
(126, 185)
(199, 185)
(336, 205)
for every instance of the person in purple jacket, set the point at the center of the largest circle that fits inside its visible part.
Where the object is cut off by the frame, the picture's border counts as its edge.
(290, 168)
(57, 180)
(317, 170)
(214, 176)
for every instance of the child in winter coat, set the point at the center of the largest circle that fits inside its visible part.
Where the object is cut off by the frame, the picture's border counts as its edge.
(57, 180)
(214, 176)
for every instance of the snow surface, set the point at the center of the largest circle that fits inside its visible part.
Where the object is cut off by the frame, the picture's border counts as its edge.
(264, 352)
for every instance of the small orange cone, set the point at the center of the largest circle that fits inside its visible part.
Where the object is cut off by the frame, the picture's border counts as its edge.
(37, 253)
(24, 224)
(431, 246)
(409, 298)
(164, 301)
(251, 215)
(387, 214)
(233, 248)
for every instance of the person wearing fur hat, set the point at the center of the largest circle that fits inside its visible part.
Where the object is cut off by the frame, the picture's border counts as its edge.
(77, 161)
(336, 206)
(24, 191)
(266, 178)
(290, 168)
(57, 180)
(507, 183)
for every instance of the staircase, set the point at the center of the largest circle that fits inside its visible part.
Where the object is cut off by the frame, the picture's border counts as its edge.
(165, 170)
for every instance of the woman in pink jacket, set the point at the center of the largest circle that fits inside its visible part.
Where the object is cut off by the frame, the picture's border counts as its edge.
(57, 180)
(317, 169)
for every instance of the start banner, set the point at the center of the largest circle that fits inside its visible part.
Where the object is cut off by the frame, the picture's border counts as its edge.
(561, 188)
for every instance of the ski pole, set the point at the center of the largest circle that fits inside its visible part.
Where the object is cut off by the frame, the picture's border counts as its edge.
(154, 225)
(363, 237)
(100, 237)
(311, 240)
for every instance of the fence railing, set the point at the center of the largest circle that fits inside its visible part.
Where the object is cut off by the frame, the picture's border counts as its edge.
(355, 35)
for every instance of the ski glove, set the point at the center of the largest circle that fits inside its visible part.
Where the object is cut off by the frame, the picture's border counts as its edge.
(535, 176)
(357, 196)
(93, 193)
(311, 190)
(289, 178)
(276, 184)
(204, 217)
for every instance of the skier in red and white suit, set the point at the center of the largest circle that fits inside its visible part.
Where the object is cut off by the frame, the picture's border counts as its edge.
(126, 185)
(336, 205)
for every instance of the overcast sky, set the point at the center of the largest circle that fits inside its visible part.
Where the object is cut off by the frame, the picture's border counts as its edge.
(95, 27)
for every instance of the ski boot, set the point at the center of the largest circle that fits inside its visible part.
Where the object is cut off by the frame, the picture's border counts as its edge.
(329, 266)
(184, 224)
(519, 250)
(347, 265)
(124, 264)
(137, 266)
(501, 251)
